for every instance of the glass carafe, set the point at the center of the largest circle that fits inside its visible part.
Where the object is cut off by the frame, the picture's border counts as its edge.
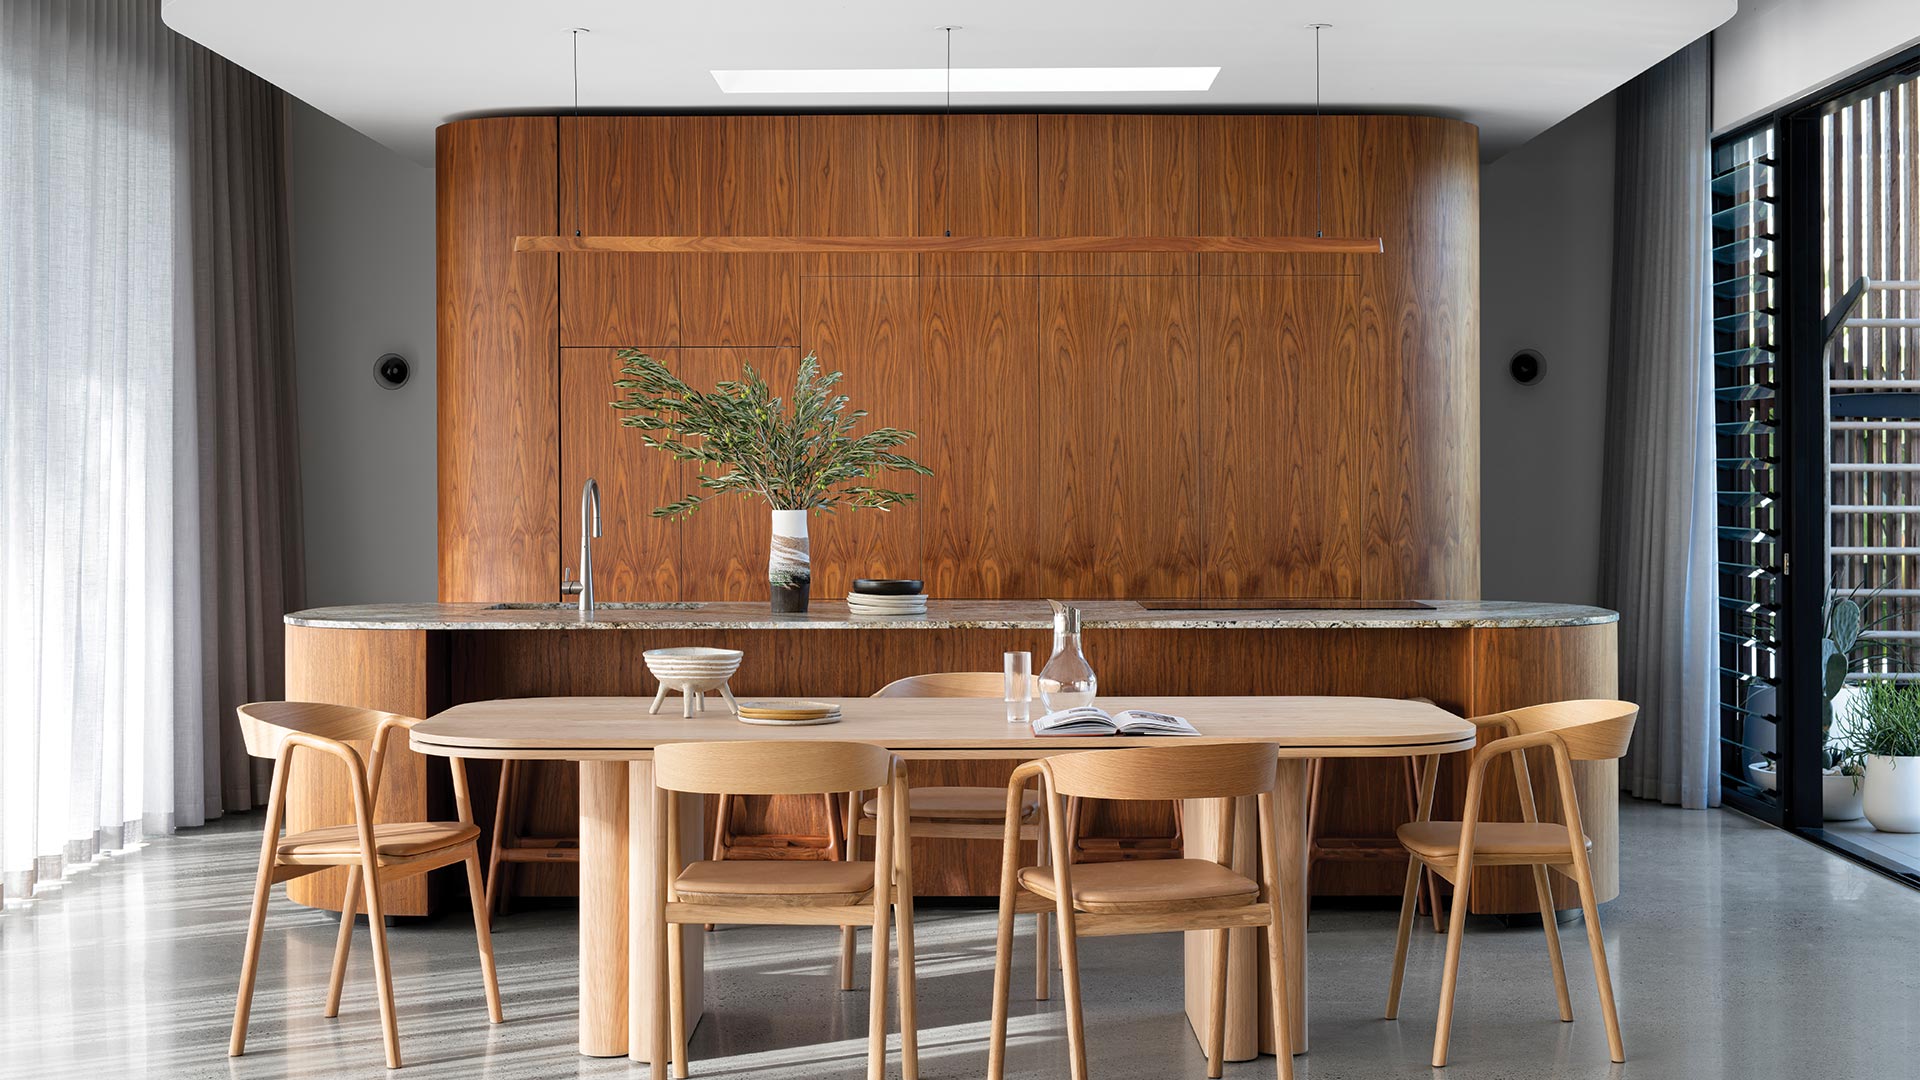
(1067, 681)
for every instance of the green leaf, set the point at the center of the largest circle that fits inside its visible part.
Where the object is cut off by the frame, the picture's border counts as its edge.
(1833, 669)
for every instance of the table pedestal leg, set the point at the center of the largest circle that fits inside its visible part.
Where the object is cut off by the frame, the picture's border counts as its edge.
(1249, 1027)
(603, 908)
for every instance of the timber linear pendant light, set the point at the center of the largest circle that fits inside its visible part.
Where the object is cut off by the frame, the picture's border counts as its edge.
(1317, 244)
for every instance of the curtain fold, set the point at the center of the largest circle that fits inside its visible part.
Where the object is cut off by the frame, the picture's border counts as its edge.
(251, 564)
(149, 530)
(1658, 538)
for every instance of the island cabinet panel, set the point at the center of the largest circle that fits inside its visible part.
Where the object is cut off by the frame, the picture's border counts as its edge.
(396, 671)
(1099, 425)
(1531, 666)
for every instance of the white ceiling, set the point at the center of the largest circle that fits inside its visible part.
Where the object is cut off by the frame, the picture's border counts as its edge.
(395, 69)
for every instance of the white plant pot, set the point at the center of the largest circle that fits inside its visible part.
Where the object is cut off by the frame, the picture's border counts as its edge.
(1839, 793)
(1840, 797)
(1892, 796)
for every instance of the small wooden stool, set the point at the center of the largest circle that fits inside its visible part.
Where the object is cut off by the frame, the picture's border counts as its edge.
(510, 847)
(1368, 848)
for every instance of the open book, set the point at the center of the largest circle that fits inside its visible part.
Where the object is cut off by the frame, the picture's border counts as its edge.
(1087, 720)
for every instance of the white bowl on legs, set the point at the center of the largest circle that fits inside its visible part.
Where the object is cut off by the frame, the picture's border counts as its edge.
(693, 671)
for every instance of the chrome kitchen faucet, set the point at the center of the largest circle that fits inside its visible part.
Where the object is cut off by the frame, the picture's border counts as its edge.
(589, 528)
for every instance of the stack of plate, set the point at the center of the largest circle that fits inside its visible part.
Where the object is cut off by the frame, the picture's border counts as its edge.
(886, 596)
(788, 712)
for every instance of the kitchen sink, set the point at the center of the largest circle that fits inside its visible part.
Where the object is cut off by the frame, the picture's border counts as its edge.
(644, 605)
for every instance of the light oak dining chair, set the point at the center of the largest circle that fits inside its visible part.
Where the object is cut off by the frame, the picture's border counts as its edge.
(788, 892)
(374, 854)
(1594, 730)
(1153, 897)
(953, 812)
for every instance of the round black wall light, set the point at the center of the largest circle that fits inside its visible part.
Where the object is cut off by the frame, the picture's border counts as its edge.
(1527, 367)
(391, 371)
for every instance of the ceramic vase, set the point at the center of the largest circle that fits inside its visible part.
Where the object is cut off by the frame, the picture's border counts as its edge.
(789, 570)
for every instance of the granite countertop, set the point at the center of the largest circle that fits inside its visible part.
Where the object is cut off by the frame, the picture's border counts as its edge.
(941, 615)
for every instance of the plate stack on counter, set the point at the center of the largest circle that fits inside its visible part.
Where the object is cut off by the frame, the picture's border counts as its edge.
(886, 597)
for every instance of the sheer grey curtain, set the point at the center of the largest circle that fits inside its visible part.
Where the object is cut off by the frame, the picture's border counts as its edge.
(147, 485)
(1657, 560)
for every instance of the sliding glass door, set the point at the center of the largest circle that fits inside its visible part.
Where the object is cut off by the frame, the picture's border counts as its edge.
(1816, 233)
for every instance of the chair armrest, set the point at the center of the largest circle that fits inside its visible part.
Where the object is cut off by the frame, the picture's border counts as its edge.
(1485, 755)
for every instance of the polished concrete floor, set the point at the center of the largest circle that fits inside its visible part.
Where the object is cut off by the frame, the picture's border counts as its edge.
(1738, 951)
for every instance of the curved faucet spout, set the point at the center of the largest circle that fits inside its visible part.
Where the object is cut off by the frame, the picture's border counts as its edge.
(589, 528)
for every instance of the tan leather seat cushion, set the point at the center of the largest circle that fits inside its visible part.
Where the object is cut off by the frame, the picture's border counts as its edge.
(1439, 839)
(1101, 886)
(775, 877)
(394, 840)
(962, 804)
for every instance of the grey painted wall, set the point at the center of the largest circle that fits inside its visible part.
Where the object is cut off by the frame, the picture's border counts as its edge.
(1546, 264)
(363, 266)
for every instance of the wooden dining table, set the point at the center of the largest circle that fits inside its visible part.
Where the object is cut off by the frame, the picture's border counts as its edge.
(613, 741)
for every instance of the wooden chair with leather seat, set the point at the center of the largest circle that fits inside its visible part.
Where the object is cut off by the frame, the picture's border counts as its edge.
(1570, 731)
(375, 854)
(786, 892)
(965, 813)
(1146, 897)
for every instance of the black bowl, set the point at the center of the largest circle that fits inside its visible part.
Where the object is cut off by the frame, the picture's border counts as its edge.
(887, 586)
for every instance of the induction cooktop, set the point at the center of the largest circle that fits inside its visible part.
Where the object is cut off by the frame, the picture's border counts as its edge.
(1286, 604)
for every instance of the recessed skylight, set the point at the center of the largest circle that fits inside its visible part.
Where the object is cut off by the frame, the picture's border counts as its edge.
(1007, 80)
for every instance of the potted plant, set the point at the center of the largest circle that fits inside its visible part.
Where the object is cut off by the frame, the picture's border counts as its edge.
(1840, 776)
(798, 454)
(1882, 731)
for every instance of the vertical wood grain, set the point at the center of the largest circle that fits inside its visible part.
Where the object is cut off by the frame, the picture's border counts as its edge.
(1284, 492)
(638, 556)
(498, 446)
(982, 519)
(397, 671)
(1514, 668)
(696, 175)
(859, 175)
(1119, 438)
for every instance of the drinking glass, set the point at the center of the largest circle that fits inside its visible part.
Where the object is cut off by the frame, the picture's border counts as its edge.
(1018, 691)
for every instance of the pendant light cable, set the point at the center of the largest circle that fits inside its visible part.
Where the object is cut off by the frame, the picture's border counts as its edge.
(946, 161)
(1319, 133)
(579, 135)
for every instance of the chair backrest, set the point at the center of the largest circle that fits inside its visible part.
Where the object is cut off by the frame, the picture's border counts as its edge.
(1175, 772)
(265, 725)
(1594, 729)
(751, 767)
(950, 684)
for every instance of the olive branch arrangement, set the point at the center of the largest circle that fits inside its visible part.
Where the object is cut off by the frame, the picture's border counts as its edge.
(798, 454)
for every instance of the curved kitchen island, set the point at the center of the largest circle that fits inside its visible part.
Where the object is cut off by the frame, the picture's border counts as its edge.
(1471, 657)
